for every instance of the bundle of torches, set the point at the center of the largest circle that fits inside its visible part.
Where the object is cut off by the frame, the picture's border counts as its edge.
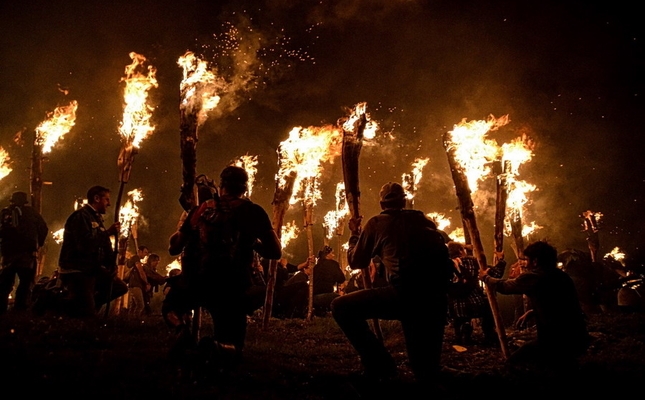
(301, 159)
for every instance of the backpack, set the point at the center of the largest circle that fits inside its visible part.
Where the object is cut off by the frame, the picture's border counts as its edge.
(423, 257)
(219, 235)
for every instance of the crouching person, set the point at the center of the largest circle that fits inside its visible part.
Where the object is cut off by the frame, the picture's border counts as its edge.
(418, 271)
(561, 329)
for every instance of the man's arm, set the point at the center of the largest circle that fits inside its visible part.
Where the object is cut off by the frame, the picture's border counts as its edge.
(359, 253)
(269, 244)
(520, 285)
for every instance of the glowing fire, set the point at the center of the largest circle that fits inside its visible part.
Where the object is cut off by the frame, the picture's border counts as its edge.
(473, 151)
(440, 220)
(458, 235)
(129, 213)
(304, 152)
(138, 79)
(617, 254)
(357, 113)
(58, 235)
(175, 264)
(410, 181)
(249, 163)
(334, 219)
(57, 124)
(199, 87)
(289, 232)
(5, 168)
(516, 153)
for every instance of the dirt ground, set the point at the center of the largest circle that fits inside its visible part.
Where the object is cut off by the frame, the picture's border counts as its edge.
(125, 358)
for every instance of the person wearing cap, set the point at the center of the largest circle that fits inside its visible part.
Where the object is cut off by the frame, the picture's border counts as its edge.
(22, 234)
(418, 272)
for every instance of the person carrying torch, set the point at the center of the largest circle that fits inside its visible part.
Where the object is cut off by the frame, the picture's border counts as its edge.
(87, 261)
(418, 272)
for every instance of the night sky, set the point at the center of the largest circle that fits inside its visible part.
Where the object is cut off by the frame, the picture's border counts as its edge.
(568, 74)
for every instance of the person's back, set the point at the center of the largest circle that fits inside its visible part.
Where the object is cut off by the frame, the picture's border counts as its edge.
(558, 315)
(561, 328)
(22, 232)
(417, 266)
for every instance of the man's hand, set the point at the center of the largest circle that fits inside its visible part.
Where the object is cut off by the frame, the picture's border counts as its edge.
(114, 229)
(354, 225)
(483, 273)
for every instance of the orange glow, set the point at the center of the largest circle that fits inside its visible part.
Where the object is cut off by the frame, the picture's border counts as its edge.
(58, 123)
(135, 125)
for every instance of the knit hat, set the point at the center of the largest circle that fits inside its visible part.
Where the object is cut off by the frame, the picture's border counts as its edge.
(392, 195)
(325, 250)
(19, 198)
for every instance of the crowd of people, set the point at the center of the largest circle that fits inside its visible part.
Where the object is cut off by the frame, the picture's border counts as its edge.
(227, 244)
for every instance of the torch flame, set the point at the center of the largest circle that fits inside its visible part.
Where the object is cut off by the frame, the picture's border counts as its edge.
(135, 125)
(334, 218)
(5, 168)
(175, 264)
(289, 231)
(357, 113)
(249, 163)
(440, 220)
(458, 235)
(57, 124)
(617, 254)
(129, 213)
(410, 181)
(473, 151)
(199, 87)
(58, 235)
(304, 152)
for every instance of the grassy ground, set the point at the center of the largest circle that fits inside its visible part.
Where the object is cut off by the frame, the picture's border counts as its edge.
(122, 358)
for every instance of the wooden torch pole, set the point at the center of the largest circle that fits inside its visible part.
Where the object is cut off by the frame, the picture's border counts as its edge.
(466, 207)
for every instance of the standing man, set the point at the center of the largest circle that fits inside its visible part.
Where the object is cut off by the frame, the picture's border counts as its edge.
(418, 270)
(87, 259)
(561, 329)
(22, 234)
(154, 279)
(223, 233)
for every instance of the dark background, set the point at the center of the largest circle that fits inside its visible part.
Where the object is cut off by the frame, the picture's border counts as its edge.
(568, 74)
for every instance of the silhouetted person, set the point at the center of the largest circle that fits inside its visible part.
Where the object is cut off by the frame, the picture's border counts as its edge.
(418, 268)
(22, 233)
(87, 260)
(561, 329)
